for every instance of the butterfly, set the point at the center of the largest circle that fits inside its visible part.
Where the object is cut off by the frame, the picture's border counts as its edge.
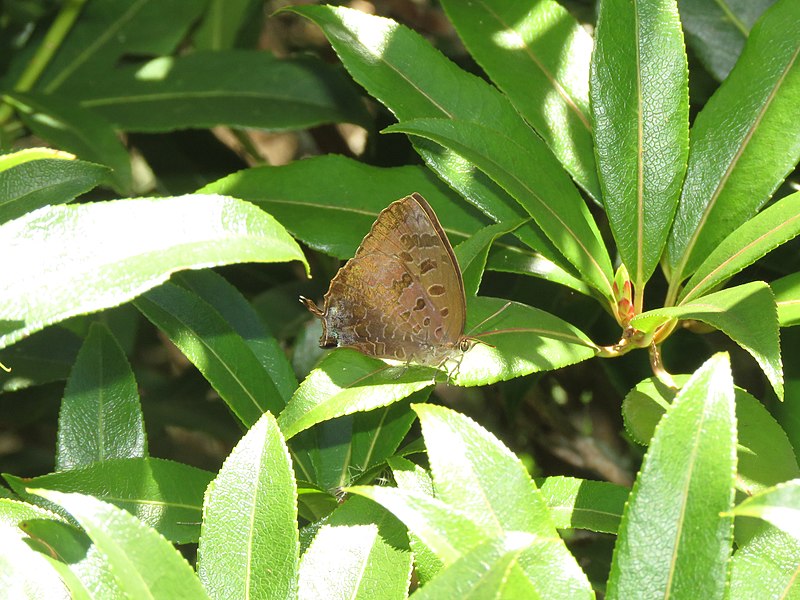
(401, 296)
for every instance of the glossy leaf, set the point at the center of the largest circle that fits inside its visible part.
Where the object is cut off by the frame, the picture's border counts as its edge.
(306, 196)
(44, 357)
(161, 493)
(25, 155)
(249, 544)
(525, 340)
(584, 504)
(360, 552)
(36, 183)
(640, 104)
(24, 572)
(776, 225)
(14, 512)
(745, 313)
(718, 31)
(538, 54)
(239, 313)
(523, 171)
(68, 126)
(109, 30)
(483, 573)
(403, 71)
(787, 297)
(685, 482)
(346, 382)
(443, 528)
(765, 454)
(70, 551)
(766, 567)
(524, 262)
(413, 478)
(779, 505)
(143, 241)
(473, 252)
(350, 449)
(474, 471)
(237, 88)
(146, 565)
(101, 417)
(231, 366)
(743, 142)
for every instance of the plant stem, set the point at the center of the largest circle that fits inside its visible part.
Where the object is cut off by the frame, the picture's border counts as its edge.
(51, 42)
(658, 367)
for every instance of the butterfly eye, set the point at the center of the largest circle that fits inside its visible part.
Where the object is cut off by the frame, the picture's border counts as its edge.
(465, 344)
(328, 342)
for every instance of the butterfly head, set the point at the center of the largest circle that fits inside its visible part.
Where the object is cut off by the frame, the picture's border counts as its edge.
(326, 340)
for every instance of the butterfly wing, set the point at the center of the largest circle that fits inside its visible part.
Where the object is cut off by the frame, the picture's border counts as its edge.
(401, 296)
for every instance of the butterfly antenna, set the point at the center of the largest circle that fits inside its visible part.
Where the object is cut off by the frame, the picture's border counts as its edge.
(489, 318)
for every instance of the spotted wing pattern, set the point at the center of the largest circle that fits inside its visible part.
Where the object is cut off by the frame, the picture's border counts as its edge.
(401, 296)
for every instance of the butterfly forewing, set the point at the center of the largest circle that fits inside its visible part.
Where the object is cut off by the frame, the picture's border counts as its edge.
(401, 296)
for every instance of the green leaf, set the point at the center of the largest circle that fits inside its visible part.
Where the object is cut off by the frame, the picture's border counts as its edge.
(14, 512)
(109, 30)
(68, 126)
(640, 104)
(145, 564)
(58, 271)
(360, 553)
(685, 482)
(538, 54)
(413, 478)
(44, 357)
(766, 567)
(443, 528)
(717, 31)
(523, 262)
(24, 572)
(765, 455)
(210, 342)
(249, 543)
(472, 253)
(525, 172)
(306, 196)
(345, 382)
(70, 551)
(239, 313)
(313, 504)
(477, 473)
(584, 504)
(745, 313)
(776, 225)
(410, 476)
(237, 88)
(36, 183)
(523, 340)
(743, 143)
(483, 573)
(101, 417)
(223, 22)
(787, 297)
(351, 449)
(403, 71)
(20, 157)
(778, 505)
(161, 493)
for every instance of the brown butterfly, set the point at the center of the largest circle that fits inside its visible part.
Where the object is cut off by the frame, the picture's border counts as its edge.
(401, 296)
